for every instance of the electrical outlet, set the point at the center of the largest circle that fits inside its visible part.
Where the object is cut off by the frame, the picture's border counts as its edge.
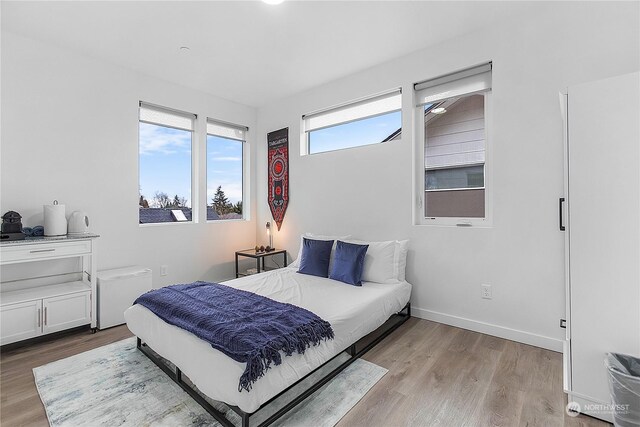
(485, 292)
(163, 270)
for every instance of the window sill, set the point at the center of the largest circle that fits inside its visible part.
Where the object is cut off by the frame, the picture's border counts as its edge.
(161, 224)
(217, 221)
(456, 223)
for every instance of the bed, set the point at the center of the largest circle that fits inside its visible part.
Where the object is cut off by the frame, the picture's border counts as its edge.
(352, 311)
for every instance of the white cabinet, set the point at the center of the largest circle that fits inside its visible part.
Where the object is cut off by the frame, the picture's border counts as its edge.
(118, 288)
(66, 311)
(41, 305)
(20, 321)
(30, 319)
(602, 234)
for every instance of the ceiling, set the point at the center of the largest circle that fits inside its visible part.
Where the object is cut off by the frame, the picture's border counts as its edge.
(248, 51)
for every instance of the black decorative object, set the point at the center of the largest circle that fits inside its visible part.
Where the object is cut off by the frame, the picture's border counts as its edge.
(12, 226)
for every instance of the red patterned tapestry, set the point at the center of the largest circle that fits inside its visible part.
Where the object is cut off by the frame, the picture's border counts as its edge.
(278, 158)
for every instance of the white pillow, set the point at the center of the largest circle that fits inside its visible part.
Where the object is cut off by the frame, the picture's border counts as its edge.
(296, 263)
(379, 262)
(385, 262)
(400, 259)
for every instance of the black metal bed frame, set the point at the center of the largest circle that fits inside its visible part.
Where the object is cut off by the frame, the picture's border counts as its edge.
(354, 353)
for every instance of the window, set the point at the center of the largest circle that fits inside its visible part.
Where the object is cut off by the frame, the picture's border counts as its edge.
(452, 110)
(455, 178)
(368, 121)
(164, 147)
(225, 162)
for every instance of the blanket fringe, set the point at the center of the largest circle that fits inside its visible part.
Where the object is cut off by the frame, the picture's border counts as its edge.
(303, 337)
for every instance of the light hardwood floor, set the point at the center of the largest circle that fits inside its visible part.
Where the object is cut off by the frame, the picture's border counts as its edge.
(438, 376)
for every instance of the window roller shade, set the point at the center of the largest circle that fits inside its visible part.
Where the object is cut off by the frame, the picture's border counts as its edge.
(362, 109)
(157, 115)
(472, 80)
(226, 130)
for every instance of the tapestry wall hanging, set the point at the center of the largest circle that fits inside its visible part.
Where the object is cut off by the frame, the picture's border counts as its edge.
(278, 161)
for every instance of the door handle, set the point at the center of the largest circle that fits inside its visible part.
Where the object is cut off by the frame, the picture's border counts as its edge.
(41, 250)
(45, 316)
(561, 214)
(39, 319)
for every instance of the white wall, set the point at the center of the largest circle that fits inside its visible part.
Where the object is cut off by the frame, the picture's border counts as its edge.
(367, 191)
(70, 132)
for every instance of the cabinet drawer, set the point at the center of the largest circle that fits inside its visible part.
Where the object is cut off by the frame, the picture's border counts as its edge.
(25, 253)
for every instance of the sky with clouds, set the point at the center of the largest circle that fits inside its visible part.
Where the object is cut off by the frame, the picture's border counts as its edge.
(165, 164)
(371, 130)
(224, 167)
(165, 155)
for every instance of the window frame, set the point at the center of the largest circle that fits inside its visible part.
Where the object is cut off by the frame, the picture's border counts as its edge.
(193, 159)
(305, 140)
(419, 203)
(483, 187)
(244, 162)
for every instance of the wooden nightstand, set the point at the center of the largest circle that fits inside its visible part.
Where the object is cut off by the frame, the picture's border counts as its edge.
(259, 257)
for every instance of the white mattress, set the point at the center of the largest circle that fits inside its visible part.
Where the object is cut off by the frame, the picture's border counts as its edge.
(352, 311)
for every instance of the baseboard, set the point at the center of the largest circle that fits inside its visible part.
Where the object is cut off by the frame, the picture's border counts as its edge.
(549, 343)
(44, 338)
(593, 408)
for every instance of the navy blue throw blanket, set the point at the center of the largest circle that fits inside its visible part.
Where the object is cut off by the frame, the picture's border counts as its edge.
(246, 327)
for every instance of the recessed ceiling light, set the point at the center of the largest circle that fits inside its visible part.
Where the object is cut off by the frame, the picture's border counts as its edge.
(273, 1)
(184, 49)
(439, 110)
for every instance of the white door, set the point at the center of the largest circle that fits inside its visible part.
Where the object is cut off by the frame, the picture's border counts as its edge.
(604, 229)
(66, 311)
(20, 321)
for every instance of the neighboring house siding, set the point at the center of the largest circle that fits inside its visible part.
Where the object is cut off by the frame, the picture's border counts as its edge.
(455, 203)
(456, 138)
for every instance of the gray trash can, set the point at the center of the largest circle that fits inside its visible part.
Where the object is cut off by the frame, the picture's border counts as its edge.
(624, 385)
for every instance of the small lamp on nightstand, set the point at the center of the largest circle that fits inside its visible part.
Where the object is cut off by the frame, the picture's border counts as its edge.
(269, 235)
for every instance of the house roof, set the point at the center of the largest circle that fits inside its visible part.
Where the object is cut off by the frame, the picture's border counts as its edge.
(156, 215)
(397, 134)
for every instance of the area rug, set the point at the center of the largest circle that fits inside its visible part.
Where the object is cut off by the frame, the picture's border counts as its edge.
(116, 385)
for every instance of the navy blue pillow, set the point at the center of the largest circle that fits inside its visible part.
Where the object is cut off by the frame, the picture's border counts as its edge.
(348, 262)
(315, 257)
